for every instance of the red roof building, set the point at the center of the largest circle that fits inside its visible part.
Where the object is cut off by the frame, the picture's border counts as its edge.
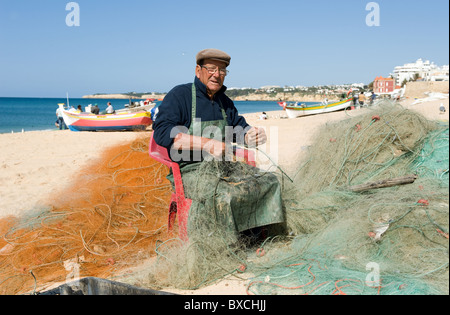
(383, 85)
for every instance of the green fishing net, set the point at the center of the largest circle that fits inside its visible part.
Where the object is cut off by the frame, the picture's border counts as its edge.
(385, 241)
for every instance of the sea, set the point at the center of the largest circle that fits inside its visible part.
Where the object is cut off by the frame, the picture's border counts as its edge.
(31, 114)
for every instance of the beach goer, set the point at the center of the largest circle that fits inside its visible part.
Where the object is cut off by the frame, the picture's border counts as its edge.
(263, 116)
(110, 109)
(197, 118)
(361, 98)
(372, 98)
(60, 120)
(95, 109)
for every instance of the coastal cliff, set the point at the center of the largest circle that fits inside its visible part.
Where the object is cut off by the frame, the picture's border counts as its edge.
(277, 97)
(273, 97)
(413, 89)
(126, 96)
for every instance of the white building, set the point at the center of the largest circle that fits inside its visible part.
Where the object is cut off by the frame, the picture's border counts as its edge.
(426, 70)
(440, 74)
(357, 86)
(269, 88)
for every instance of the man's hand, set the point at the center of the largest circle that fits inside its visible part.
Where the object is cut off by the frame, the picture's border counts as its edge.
(214, 148)
(255, 136)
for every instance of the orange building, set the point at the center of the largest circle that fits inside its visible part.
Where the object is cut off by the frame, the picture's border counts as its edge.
(383, 85)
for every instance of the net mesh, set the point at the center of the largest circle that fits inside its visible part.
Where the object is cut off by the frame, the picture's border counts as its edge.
(110, 217)
(113, 220)
(383, 241)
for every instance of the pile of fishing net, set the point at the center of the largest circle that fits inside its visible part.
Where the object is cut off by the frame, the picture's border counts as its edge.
(112, 222)
(391, 240)
(107, 220)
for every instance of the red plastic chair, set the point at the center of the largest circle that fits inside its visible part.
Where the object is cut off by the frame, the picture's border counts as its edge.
(179, 204)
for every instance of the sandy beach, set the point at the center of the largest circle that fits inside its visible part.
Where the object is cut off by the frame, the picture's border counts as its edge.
(36, 165)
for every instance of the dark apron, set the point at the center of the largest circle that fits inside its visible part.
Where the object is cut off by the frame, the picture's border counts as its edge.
(228, 197)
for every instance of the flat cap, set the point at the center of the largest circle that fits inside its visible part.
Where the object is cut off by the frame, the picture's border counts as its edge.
(213, 54)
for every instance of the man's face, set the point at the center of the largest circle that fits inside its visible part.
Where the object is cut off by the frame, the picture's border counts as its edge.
(213, 82)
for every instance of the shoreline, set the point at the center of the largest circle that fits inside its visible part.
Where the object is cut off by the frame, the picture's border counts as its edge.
(56, 129)
(50, 125)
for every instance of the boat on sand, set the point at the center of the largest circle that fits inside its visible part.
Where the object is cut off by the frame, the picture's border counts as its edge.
(76, 121)
(298, 110)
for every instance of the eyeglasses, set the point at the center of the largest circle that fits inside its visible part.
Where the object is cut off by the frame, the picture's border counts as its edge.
(222, 72)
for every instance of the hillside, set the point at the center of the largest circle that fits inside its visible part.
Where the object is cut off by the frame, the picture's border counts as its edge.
(312, 94)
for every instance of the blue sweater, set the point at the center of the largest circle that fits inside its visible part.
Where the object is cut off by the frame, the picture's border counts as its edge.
(176, 110)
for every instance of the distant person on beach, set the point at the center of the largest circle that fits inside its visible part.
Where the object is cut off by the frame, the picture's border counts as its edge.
(263, 116)
(361, 99)
(197, 122)
(60, 120)
(372, 98)
(110, 109)
(355, 99)
(95, 110)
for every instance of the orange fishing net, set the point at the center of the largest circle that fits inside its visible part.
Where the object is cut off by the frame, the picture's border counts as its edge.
(109, 219)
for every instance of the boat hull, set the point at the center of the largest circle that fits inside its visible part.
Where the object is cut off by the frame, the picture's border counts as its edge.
(115, 122)
(298, 111)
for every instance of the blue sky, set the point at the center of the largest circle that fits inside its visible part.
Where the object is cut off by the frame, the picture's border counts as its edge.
(150, 45)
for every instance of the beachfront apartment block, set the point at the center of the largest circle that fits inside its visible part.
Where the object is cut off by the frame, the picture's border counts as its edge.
(383, 85)
(425, 70)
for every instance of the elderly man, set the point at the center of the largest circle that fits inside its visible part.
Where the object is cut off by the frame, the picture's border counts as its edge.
(196, 123)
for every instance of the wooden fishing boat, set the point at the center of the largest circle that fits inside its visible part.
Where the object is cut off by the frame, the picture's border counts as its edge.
(113, 122)
(298, 110)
